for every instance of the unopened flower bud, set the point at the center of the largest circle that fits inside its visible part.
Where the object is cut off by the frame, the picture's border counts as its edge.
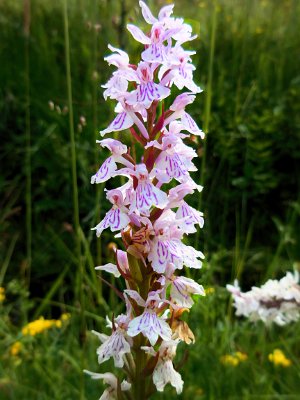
(112, 247)
(82, 120)
(65, 110)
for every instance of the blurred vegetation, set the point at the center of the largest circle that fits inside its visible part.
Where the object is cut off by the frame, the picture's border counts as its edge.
(248, 65)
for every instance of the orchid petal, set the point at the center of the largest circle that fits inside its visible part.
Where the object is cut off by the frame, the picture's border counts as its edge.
(164, 373)
(151, 326)
(190, 217)
(181, 290)
(191, 126)
(121, 122)
(111, 268)
(106, 171)
(146, 93)
(115, 346)
(148, 17)
(135, 296)
(138, 35)
(115, 219)
(165, 12)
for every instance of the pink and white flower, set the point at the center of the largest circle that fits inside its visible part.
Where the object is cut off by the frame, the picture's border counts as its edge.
(276, 301)
(117, 217)
(189, 217)
(181, 288)
(109, 167)
(116, 345)
(146, 194)
(111, 393)
(174, 161)
(164, 371)
(167, 248)
(178, 70)
(147, 90)
(149, 323)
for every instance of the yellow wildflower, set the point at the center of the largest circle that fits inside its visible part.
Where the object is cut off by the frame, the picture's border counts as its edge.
(279, 359)
(2, 294)
(233, 359)
(209, 290)
(15, 348)
(58, 323)
(241, 356)
(38, 326)
(65, 316)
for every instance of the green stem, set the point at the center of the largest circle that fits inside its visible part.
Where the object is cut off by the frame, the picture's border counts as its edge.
(75, 191)
(28, 198)
(139, 381)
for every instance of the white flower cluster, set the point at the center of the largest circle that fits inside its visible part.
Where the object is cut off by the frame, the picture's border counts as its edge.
(275, 301)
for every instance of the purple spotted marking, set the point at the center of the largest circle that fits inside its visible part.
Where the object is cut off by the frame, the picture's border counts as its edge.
(175, 168)
(181, 288)
(118, 122)
(111, 219)
(167, 251)
(145, 197)
(104, 169)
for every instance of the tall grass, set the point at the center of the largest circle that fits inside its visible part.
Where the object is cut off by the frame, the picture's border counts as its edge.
(28, 200)
(80, 273)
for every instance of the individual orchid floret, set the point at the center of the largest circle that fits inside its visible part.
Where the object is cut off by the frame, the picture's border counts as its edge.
(182, 331)
(111, 393)
(189, 217)
(117, 85)
(109, 167)
(182, 288)
(189, 124)
(147, 91)
(178, 70)
(181, 101)
(177, 194)
(122, 121)
(119, 58)
(117, 217)
(164, 371)
(157, 52)
(175, 159)
(148, 323)
(186, 121)
(275, 301)
(127, 116)
(116, 345)
(167, 248)
(184, 33)
(146, 194)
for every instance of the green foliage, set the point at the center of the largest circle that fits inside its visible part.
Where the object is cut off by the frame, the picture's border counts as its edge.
(251, 110)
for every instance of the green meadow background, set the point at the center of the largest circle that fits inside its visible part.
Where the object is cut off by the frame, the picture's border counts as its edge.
(51, 110)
